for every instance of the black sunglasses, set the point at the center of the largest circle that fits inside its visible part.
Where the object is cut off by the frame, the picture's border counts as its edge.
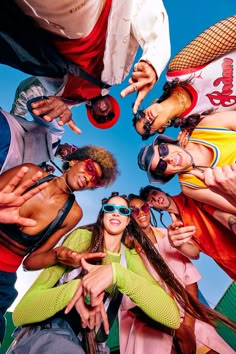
(146, 124)
(162, 164)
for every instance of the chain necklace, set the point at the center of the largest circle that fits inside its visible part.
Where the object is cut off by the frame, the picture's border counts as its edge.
(68, 187)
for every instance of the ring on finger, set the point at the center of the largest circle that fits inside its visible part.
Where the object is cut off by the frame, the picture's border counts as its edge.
(135, 88)
(87, 300)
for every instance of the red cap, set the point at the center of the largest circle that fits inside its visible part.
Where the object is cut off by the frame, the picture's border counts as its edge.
(109, 123)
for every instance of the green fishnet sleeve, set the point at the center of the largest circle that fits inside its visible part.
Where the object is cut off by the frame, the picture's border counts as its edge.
(43, 299)
(144, 291)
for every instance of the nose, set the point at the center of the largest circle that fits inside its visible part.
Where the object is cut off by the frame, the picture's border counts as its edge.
(115, 212)
(102, 106)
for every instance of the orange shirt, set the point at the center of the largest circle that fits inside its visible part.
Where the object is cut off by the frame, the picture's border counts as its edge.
(211, 237)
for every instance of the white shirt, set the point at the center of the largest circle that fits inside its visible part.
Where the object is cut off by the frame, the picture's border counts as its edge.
(131, 24)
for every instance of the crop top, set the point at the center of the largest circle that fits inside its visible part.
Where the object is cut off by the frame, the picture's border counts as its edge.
(11, 234)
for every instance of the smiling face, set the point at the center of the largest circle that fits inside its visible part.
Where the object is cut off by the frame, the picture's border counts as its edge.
(143, 216)
(177, 160)
(102, 106)
(115, 223)
(158, 199)
(80, 177)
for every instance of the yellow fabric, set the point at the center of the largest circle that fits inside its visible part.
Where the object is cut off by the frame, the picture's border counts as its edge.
(221, 141)
(43, 300)
(203, 349)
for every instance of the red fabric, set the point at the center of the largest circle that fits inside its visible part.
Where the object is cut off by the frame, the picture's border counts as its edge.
(211, 237)
(88, 53)
(9, 261)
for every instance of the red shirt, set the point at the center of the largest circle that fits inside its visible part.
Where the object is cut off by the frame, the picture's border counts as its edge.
(88, 53)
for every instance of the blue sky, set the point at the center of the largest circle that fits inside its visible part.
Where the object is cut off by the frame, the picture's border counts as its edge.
(187, 19)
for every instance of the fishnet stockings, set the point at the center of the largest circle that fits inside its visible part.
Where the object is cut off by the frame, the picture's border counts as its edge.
(210, 44)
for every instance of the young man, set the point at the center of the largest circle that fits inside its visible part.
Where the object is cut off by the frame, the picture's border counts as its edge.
(195, 229)
(101, 37)
(210, 145)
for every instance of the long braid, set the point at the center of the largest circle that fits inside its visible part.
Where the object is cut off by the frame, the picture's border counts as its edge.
(191, 305)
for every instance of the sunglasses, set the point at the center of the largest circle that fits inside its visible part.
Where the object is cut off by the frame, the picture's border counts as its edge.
(104, 119)
(141, 114)
(145, 208)
(110, 208)
(91, 170)
(162, 164)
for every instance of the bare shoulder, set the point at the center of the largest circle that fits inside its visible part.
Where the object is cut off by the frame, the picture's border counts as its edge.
(75, 214)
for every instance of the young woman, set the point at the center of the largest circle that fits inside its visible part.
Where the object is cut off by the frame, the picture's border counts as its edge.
(192, 335)
(199, 81)
(55, 211)
(121, 271)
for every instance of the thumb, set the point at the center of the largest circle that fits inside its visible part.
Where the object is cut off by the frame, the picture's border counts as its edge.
(198, 174)
(175, 221)
(87, 266)
(173, 217)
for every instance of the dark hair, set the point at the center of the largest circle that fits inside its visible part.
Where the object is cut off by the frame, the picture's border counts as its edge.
(132, 196)
(144, 191)
(132, 234)
(186, 123)
(104, 158)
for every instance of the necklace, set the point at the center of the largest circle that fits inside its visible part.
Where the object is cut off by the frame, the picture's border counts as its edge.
(192, 164)
(68, 187)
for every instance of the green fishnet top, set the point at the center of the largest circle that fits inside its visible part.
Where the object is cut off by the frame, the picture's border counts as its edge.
(43, 300)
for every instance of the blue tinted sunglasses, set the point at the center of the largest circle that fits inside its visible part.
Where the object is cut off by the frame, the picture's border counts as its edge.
(110, 208)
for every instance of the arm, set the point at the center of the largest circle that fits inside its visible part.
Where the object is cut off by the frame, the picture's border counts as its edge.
(136, 283)
(27, 89)
(220, 180)
(207, 46)
(220, 119)
(39, 302)
(43, 300)
(207, 196)
(46, 255)
(13, 196)
(151, 29)
(144, 292)
(180, 238)
(53, 107)
(12, 172)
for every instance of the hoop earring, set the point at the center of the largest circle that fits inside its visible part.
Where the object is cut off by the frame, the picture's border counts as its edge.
(66, 165)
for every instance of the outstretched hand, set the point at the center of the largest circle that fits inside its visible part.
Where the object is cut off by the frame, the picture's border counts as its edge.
(98, 279)
(179, 234)
(72, 258)
(12, 197)
(54, 107)
(221, 180)
(143, 79)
